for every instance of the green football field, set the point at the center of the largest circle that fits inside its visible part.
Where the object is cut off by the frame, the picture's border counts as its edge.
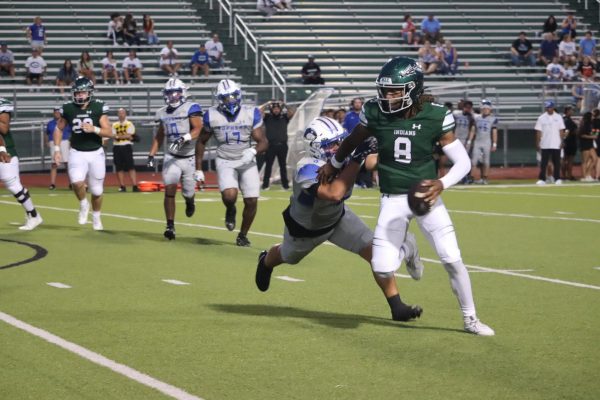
(137, 311)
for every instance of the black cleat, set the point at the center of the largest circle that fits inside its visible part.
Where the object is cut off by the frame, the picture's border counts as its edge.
(52, 187)
(242, 240)
(190, 208)
(122, 189)
(135, 188)
(170, 233)
(406, 313)
(230, 218)
(263, 274)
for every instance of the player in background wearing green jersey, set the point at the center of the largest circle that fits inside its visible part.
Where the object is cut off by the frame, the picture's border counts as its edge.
(89, 124)
(407, 124)
(9, 168)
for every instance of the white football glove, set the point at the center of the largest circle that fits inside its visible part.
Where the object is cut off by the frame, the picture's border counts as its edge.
(199, 175)
(248, 155)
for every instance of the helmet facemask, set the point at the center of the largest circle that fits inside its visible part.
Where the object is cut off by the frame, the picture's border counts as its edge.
(230, 103)
(82, 97)
(174, 97)
(395, 104)
(323, 138)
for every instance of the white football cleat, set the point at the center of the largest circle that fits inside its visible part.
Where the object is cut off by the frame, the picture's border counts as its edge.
(476, 327)
(97, 223)
(414, 265)
(558, 182)
(540, 182)
(84, 209)
(31, 223)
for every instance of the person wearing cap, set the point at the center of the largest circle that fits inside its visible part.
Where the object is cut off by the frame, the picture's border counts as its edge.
(7, 60)
(65, 145)
(549, 133)
(36, 67)
(276, 123)
(311, 72)
(123, 138)
(484, 138)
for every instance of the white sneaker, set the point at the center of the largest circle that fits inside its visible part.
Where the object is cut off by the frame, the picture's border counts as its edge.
(97, 223)
(540, 182)
(476, 327)
(558, 182)
(31, 223)
(414, 265)
(83, 213)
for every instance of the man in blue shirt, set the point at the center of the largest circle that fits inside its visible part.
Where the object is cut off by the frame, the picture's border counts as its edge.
(431, 29)
(36, 34)
(548, 49)
(200, 61)
(352, 117)
(64, 147)
(587, 46)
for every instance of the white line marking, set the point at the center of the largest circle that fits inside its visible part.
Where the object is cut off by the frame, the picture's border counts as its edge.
(528, 194)
(534, 277)
(289, 278)
(217, 228)
(99, 359)
(58, 285)
(367, 216)
(522, 185)
(402, 276)
(175, 282)
(510, 270)
(15, 223)
(564, 212)
(598, 268)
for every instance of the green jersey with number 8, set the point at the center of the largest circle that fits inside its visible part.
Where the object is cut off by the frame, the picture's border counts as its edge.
(77, 116)
(406, 145)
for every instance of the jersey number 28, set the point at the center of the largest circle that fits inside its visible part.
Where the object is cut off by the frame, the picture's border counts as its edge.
(78, 123)
(402, 147)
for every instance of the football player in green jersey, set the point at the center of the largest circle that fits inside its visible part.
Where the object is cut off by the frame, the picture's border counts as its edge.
(9, 168)
(407, 124)
(89, 124)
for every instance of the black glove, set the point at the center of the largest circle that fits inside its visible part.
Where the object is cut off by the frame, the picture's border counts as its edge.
(176, 145)
(368, 146)
(150, 162)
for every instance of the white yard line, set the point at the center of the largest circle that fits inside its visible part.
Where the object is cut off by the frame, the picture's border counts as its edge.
(99, 359)
(499, 271)
(581, 196)
(521, 185)
(175, 282)
(289, 278)
(58, 285)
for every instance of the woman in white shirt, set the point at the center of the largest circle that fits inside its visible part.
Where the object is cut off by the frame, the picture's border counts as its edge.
(109, 68)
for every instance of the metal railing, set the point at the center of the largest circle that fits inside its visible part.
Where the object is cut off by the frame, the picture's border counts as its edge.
(249, 41)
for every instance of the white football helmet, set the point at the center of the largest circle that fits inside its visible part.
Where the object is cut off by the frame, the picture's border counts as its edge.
(322, 138)
(175, 92)
(229, 97)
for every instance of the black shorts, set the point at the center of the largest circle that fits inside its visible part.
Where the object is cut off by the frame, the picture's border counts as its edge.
(123, 157)
(586, 144)
(570, 150)
(34, 76)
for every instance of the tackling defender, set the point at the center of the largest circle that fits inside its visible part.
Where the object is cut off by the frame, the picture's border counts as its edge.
(317, 213)
(181, 122)
(234, 125)
(406, 125)
(89, 123)
(9, 168)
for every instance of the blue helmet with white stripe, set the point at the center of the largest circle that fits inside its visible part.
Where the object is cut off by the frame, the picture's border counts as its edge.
(322, 138)
(229, 97)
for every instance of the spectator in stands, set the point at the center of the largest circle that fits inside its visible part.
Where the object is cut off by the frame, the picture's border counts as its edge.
(168, 59)
(109, 68)
(311, 73)
(124, 136)
(115, 29)
(270, 7)
(522, 51)
(215, 52)
(36, 35)
(570, 71)
(200, 61)
(448, 59)
(428, 58)
(409, 31)
(548, 49)
(568, 26)
(130, 31)
(85, 66)
(550, 25)
(67, 74)
(36, 67)
(352, 116)
(549, 132)
(148, 24)
(586, 145)
(340, 115)
(587, 46)
(555, 72)
(65, 145)
(586, 70)
(567, 50)
(431, 29)
(7, 60)
(132, 68)
(570, 143)
(276, 122)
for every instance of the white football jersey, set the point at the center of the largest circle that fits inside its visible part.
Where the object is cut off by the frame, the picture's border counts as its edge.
(176, 123)
(484, 127)
(463, 124)
(233, 136)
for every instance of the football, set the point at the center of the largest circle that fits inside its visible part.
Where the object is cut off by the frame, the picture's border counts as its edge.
(416, 199)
